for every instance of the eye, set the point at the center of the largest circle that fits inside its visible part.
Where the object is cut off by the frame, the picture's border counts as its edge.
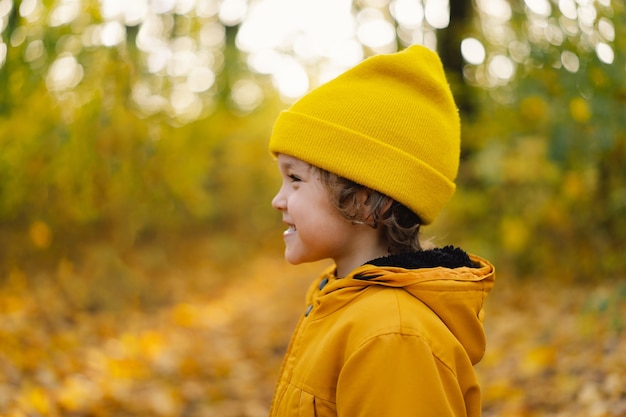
(294, 178)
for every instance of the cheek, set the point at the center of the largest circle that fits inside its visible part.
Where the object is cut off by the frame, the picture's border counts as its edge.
(326, 216)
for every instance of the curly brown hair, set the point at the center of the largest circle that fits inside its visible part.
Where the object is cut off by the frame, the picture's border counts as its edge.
(399, 225)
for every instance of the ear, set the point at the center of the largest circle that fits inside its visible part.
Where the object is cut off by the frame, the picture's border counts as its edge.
(373, 204)
(362, 197)
(386, 206)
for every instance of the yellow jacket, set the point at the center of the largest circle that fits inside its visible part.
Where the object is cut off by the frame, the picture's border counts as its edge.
(388, 341)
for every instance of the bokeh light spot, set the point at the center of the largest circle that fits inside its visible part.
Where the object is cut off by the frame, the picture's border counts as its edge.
(112, 33)
(27, 8)
(539, 7)
(408, 13)
(499, 10)
(185, 104)
(437, 13)
(232, 12)
(568, 9)
(606, 29)
(570, 61)
(501, 67)
(473, 51)
(64, 13)
(519, 51)
(34, 50)
(200, 79)
(212, 35)
(5, 7)
(291, 79)
(605, 53)
(162, 6)
(3, 53)
(64, 73)
(246, 95)
(135, 12)
(373, 30)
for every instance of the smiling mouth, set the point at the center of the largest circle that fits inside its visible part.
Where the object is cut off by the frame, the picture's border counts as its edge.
(290, 229)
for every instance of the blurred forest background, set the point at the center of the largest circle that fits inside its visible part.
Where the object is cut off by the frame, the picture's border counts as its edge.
(141, 267)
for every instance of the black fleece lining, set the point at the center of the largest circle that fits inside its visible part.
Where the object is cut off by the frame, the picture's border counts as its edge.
(447, 257)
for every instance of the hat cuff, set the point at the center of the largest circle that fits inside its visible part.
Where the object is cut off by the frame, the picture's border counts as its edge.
(364, 160)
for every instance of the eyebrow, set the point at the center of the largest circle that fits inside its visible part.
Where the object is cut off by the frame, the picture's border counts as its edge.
(294, 164)
(285, 166)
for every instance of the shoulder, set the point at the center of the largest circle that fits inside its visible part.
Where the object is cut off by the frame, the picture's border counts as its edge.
(388, 321)
(383, 310)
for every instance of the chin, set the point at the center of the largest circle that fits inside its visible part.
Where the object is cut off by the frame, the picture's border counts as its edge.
(296, 259)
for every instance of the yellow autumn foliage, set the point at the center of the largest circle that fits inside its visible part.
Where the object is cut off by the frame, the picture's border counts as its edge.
(515, 233)
(535, 109)
(40, 234)
(140, 267)
(579, 110)
(216, 350)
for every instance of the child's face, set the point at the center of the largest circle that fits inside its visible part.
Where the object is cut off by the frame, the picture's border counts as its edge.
(316, 229)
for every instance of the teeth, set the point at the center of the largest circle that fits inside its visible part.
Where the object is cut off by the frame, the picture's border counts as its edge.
(291, 228)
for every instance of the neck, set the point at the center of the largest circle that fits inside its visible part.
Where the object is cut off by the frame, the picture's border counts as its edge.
(363, 251)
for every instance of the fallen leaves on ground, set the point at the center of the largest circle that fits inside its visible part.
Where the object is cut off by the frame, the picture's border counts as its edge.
(555, 350)
(552, 351)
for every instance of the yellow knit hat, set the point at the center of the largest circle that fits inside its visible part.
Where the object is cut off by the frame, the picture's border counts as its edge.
(389, 123)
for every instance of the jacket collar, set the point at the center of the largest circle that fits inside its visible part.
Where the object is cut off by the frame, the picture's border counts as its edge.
(446, 257)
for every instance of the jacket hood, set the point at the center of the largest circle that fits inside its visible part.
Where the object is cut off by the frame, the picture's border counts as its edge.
(452, 284)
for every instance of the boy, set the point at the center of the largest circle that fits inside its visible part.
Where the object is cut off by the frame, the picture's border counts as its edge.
(391, 329)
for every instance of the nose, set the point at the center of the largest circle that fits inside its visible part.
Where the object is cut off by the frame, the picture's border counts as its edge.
(279, 202)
